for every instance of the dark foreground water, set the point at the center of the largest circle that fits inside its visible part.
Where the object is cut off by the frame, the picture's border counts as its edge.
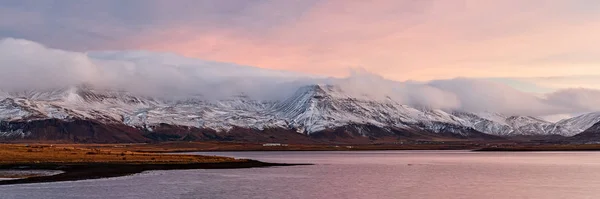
(380, 174)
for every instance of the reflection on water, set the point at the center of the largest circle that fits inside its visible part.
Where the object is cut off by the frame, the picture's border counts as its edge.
(380, 174)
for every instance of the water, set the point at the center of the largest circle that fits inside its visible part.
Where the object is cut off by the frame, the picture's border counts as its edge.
(24, 173)
(380, 174)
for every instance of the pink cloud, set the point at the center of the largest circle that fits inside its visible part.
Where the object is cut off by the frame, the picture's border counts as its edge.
(402, 40)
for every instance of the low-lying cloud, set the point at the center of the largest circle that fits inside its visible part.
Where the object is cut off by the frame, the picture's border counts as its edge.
(26, 65)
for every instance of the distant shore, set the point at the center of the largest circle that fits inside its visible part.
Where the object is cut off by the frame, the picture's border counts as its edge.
(174, 147)
(524, 148)
(158, 152)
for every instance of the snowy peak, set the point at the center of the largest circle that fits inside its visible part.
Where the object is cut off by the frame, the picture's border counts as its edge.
(310, 109)
(324, 91)
(525, 120)
(317, 91)
(575, 125)
(318, 107)
(501, 125)
(89, 95)
(527, 124)
(41, 95)
(78, 94)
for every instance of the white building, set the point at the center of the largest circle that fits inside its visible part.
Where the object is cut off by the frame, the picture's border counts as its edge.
(274, 144)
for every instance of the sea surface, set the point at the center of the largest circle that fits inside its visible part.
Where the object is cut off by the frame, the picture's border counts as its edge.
(365, 174)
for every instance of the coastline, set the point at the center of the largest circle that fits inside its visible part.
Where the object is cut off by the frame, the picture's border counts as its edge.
(86, 171)
(180, 147)
(541, 148)
(81, 161)
(157, 152)
(93, 161)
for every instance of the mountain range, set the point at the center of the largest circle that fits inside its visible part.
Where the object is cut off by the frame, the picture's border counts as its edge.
(314, 113)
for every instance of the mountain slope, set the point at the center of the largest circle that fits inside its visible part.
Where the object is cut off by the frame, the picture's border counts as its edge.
(315, 110)
(591, 134)
(321, 107)
(501, 125)
(575, 125)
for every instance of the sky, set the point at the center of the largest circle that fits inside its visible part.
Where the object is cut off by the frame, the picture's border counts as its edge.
(548, 43)
(540, 47)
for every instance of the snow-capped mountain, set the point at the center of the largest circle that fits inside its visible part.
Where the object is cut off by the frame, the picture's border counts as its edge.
(319, 107)
(590, 135)
(311, 109)
(502, 125)
(575, 125)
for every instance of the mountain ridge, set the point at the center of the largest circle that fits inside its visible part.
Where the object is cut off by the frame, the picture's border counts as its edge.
(311, 109)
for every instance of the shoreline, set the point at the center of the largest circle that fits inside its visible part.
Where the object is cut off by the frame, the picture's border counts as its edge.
(186, 147)
(157, 152)
(88, 161)
(87, 171)
(94, 161)
(535, 149)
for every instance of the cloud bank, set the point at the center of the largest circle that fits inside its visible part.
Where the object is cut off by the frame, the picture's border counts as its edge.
(26, 65)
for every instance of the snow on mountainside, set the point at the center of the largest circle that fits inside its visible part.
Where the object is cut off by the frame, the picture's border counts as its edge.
(310, 109)
(73, 103)
(501, 125)
(319, 107)
(575, 125)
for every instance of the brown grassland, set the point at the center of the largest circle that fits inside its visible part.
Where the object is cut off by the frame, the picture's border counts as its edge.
(79, 153)
(91, 161)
